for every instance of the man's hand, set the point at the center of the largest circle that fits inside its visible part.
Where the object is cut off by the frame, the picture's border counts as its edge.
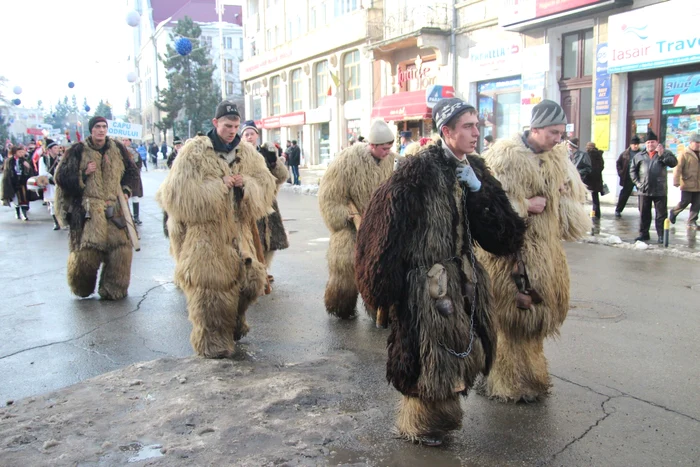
(465, 174)
(238, 181)
(91, 168)
(659, 149)
(228, 181)
(536, 204)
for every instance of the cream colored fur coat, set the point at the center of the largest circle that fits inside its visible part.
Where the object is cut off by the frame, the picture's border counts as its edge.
(210, 230)
(524, 175)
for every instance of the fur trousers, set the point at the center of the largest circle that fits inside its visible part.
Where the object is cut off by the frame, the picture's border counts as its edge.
(218, 316)
(519, 372)
(418, 418)
(341, 291)
(115, 277)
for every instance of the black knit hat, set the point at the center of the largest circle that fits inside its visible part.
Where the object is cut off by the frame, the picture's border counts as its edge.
(94, 121)
(651, 136)
(50, 143)
(227, 108)
(249, 124)
(635, 140)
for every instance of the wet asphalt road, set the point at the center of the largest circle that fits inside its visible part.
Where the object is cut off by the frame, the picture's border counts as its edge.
(625, 370)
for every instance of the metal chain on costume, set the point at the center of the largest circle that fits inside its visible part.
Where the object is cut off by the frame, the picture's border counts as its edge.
(472, 258)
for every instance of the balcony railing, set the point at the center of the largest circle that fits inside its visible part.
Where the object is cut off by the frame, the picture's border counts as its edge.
(411, 20)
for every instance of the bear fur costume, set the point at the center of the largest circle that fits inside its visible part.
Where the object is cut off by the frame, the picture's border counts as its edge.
(96, 240)
(352, 176)
(520, 369)
(272, 234)
(419, 223)
(211, 239)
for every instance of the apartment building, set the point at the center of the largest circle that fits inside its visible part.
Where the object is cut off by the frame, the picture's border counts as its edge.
(151, 36)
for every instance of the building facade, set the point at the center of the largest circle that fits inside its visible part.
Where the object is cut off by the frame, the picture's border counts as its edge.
(151, 37)
(320, 70)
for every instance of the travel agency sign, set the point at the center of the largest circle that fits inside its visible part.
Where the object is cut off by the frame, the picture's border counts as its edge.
(654, 37)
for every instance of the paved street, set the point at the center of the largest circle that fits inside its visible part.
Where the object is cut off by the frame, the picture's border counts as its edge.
(625, 369)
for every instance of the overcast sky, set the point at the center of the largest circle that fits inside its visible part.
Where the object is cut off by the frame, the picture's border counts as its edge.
(47, 43)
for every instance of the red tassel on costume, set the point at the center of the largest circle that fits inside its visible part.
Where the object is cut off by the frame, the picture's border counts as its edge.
(77, 136)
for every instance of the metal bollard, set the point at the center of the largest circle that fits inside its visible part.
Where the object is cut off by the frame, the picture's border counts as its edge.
(667, 231)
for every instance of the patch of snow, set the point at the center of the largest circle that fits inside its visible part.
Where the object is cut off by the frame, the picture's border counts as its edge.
(301, 189)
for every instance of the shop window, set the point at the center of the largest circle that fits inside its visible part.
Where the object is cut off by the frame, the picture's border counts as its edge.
(275, 95)
(353, 132)
(680, 112)
(296, 89)
(351, 75)
(321, 85)
(578, 56)
(257, 101)
(499, 107)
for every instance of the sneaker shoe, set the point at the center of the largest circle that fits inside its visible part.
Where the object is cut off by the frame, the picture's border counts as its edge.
(660, 240)
(671, 216)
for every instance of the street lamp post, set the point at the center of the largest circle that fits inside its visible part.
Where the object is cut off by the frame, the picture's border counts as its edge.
(220, 12)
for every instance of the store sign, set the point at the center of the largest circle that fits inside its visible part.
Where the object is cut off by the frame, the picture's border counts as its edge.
(280, 121)
(436, 92)
(418, 75)
(117, 129)
(654, 37)
(35, 131)
(319, 115)
(513, 12)
(495, 60)
(602, 81)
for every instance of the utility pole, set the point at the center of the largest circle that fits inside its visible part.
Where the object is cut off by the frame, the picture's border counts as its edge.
(220, 12)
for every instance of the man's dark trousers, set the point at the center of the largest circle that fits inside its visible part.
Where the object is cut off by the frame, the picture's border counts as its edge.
(660, 206)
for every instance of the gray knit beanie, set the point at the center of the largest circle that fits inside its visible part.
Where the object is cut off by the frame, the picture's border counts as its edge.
(380, 133)
(547, 113)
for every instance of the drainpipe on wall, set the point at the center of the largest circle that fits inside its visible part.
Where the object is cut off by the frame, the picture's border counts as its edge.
(453, 44)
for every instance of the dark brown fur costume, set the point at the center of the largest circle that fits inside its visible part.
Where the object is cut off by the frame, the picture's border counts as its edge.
(414, 221)
(96, 240)
(272, 234)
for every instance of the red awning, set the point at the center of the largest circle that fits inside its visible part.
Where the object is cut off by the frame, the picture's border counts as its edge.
(409, 105)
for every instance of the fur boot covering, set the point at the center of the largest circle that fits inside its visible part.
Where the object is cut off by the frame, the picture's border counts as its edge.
(352, 176)
(211, 239)
(520, 369)
(82, 202)
(415, 257)
(271, 229)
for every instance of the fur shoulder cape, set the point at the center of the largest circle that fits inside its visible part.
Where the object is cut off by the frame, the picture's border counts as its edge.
(352, 176)
(524, 174)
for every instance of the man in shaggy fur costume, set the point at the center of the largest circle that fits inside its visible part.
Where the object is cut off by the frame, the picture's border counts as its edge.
(415, 257)
(215, 192)
(343, 195)
(531, 295)
(89, 178)
(272, 234)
